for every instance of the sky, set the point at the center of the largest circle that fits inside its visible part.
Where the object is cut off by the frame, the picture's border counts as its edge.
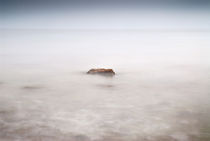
(105, 14)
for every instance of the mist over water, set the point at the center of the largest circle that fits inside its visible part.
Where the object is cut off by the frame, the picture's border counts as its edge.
(160, 91)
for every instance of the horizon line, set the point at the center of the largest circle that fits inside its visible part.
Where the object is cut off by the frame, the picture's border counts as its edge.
(111, 29)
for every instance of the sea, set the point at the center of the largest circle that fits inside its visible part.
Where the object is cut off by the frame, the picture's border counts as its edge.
(161, 90)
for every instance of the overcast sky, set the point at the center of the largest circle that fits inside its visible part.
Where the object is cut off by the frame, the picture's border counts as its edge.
(106, 14)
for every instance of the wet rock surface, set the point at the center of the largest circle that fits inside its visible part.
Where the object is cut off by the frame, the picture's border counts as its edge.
(102, 71)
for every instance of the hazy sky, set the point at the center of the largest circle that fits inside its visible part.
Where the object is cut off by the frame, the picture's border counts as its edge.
(106, 14)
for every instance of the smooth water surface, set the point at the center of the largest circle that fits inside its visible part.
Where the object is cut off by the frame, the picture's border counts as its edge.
(161, 90)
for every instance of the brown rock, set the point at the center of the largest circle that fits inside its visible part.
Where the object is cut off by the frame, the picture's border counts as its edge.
(101, 71)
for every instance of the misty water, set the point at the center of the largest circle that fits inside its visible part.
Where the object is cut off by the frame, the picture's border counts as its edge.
(161, 90)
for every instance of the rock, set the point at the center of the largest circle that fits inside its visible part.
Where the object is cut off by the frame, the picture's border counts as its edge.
(101, 71)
